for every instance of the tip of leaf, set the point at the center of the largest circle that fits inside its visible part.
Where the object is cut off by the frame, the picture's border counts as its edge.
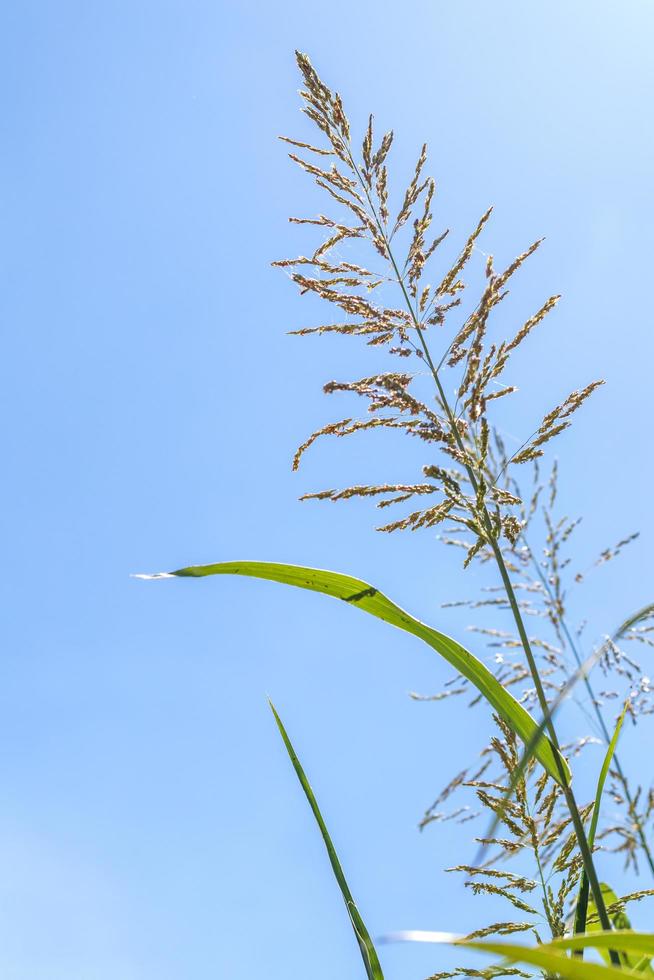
(142, 575)
(420, 936)
(278, 720)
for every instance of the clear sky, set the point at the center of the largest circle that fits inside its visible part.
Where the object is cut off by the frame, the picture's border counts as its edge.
(150, 825)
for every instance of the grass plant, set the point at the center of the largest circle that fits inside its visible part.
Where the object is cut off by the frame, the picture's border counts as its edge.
(377, 267)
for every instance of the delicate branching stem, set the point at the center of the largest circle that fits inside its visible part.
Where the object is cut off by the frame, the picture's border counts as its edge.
(571, 802)
(582, 840)
(597, 710)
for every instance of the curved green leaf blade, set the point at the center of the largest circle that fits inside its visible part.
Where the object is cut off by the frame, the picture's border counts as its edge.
(364, 596)
(582, 901)
(641, 943)
(366, 946)
(550, 960)
(606, 765)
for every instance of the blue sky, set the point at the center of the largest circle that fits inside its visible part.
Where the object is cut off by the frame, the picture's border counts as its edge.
(150, 825)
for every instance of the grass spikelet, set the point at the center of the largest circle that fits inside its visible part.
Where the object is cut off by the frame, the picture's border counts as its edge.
(500, 929)
(450, 283)
(412, 192)
(532, 322)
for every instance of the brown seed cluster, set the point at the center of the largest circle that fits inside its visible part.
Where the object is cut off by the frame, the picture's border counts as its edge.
(396, 309)
(531, 820)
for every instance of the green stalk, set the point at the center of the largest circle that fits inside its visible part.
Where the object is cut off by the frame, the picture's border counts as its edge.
(366, 945)
(571, 802)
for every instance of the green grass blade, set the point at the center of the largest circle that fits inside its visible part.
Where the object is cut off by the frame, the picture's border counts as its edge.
(550, 960)
(640, 943)
(581, 914)
(368, 952)
(369, 599)
(606, 765)
(552, 957)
